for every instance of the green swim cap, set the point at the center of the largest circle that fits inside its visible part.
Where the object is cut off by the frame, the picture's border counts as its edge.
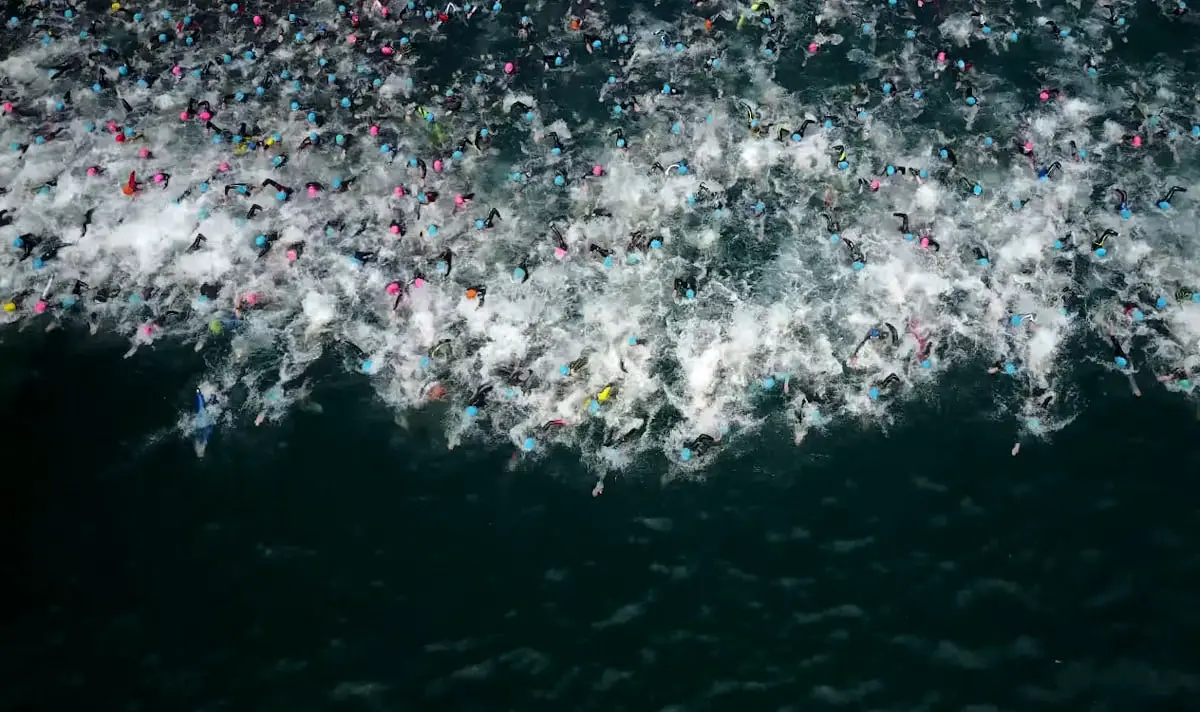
(215, 326)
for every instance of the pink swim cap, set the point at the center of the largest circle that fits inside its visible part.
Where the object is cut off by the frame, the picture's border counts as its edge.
(257, 20)
(395, 229)
(418, 283)
(39, 307)
(1044, 96)
(183, 116)
(458, 199)
(1137, 142)
(177, 70)
(875, 184)
(291, 255)
(399, 191)
(251, 298)
(597, 170)
(386, 50)
(148, 329)
(813, 47)
(144, 153)
(224, 167)
(383, 11)
(92, 171)
(1028, 146)
(159, 177)
(312, 191)
(8, 107)
(374, 130)
(437, 165)
(393, 288)
(351, 39)
(509, 67)
(924, 242)
(941, 56)
(205, 116)
(560, 252)
(112, 126)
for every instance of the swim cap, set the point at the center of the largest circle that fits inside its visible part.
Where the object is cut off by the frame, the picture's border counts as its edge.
(858, 266)
(519, 274)
(873, 393)
(768, 383)
(926, 364)
(393, 288)
(1161, 302)
(472, 293)
(528, 444)
(1121, 361)
(685, 454)
(472, 411)
(690, 294)
(1100, 251)
(1010, 369)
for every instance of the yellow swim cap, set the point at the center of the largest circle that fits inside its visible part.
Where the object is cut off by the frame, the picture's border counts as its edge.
(270, 141)
(604, 394)
(116, 6)
(10, 307)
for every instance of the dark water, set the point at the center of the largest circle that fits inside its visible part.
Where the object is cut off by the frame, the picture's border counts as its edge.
(340, 562)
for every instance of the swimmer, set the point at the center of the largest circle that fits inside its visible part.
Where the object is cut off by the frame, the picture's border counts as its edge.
(445, 262)
(1165, 201)
(857, 259)
(1123, 363)
(698, 446)
(685, 288)
(876, 334)
(477, 292)
(1048, 172)
(560, 244)
(1099, 241)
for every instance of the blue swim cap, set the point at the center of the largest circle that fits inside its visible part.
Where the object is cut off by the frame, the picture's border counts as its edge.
(479, 224)
(1016, 204)
(556, 151)
(339, 139)
(456, 155)
(559, 180)
(1100, 252)
(685, 454)
(873, 393)
(971, 101)
(385, 148)
(834, 237)
(596, 44)
(977, 189)
(433, 231)
(260, 91)
(926, 364)
(1015, 320)
(1066, 31)
(1014, 36)
(312, 117)
(519, 274)
(593, 406)
(656, 243)
(529, 116)
(472, 411)
(1010, 369)
(887, 87)
(1138, 315)
(249, 55)
(923, 173)
(768, 383)
(986, 30)
(943, 153)
(1161, 302)
(666, 89)
(608, 261)
(18, 242)
(260, 240)
(529, 444)
(38, 263)
(564, 370)
(796, 136)
(216, 139)
(620, 143)
(890, 170)
(237, 139)
(1163, 205)
(1125, 213)
(162, 37)
(336, 183)
(281, 195)
(866, 28)
(345, 102)
(690, 294)
(910, 34)
(622, 38)
(1058, 244)
(858, 266)
(1121, 361)
(633, 341)
(843, 165)
(828, 123)
(679, 47)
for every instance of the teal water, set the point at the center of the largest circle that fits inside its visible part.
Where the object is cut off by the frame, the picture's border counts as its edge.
(340, 562)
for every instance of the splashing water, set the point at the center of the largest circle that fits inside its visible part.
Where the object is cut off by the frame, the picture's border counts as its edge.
(620, 229)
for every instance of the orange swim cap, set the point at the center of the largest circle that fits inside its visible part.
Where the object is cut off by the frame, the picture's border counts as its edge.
(471, 294)
(576, 23)
(708, 25)
(127, 189)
